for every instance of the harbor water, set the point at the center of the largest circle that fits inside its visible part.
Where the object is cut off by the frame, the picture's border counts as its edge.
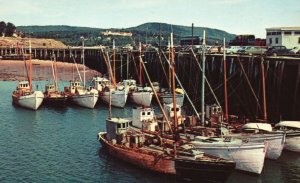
(60, 145)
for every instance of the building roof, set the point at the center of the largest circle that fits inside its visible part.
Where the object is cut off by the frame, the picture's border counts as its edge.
(282, 28)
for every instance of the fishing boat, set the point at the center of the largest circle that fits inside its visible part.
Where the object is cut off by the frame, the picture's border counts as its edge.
(261, 132)
(138, 95)
(118, 97)
(81, 96)
(78, 93)
(292, 130)
(166, 97)
(51, 94)
(24, 95)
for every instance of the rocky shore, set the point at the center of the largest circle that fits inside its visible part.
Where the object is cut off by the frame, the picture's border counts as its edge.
(13, 70)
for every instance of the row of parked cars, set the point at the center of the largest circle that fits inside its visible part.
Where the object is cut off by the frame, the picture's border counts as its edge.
(257, 50)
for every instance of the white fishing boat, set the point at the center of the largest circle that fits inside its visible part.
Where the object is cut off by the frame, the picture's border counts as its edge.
(292, 130)
(260, 132)
(118, 97)
(249, 156)
(167, 98)
(24, 96)
(80, 96)
(138, 95)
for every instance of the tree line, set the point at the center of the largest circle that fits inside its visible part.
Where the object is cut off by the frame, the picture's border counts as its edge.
(7, 29)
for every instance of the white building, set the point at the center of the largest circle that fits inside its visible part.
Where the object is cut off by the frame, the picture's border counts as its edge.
(283, 36)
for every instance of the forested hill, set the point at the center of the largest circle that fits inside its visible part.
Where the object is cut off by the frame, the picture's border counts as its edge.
(148, 32)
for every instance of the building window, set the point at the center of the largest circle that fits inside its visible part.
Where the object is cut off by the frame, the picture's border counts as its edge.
(274, 33)
(299, 40)
(270, 40)
(297, 32)
(276, 40)
(288, 33)
(268, 33)
(278, 33)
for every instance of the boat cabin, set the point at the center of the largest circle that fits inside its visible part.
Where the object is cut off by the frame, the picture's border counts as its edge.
(49, 88)
(75, 87)
(130, 84)
(214, 113)
(23, 85)
(116, 127)
(169, 109)
(100, 83)
(143, 118)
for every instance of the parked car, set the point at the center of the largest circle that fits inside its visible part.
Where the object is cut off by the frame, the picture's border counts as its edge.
(215, 49)
(232, 49)
(277, 50)
(242, 49)
(295, 50)
(253, 50)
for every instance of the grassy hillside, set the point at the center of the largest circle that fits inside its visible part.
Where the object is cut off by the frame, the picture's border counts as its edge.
(148, 32)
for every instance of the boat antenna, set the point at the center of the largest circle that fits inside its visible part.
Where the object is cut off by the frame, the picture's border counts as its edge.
(140, 64)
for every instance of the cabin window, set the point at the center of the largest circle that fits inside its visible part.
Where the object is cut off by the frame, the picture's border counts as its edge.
(299, 40)
(143, 113)
(119, 125)
(276, 40)
(149, 113)
(123, 125)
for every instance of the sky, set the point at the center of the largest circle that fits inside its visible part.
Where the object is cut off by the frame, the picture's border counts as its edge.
(233, 16)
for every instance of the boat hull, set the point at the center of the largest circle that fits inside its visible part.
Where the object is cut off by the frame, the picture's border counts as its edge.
(292, 142)
(275, 142)
(118, 98)
(55, 100)
(167, 98)
(145, 160)
(32, 101)
(141, 98)
(85, 100)
(249, 157)
(208, 171)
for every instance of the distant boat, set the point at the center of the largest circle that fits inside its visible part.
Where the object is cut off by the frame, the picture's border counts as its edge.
(138, 95)
(24, 96)
(80, 96)
(260, 132)
(27, 98)
(166, 97)
(292, 130)
(52, 95)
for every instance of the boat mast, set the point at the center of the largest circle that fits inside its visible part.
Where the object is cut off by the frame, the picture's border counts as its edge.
(30, 67)
(225, 83)
(203, 79)
(174, 94)
(140, 64)
(55, 72)
(83, 60)
(114, 61)
(264, 88)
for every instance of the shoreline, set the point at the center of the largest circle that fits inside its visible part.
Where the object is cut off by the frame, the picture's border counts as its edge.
(14, 70)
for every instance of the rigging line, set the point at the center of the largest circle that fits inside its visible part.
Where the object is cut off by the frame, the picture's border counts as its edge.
(162, 65)
(183, 88)
(248, 81)
(77, 68)
(213, 93)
